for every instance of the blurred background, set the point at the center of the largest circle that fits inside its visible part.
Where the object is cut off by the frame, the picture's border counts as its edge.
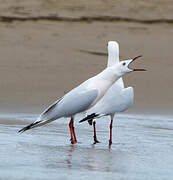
(48, 47)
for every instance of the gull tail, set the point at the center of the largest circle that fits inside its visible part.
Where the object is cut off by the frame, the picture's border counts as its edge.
(89, 118)
(32, 125)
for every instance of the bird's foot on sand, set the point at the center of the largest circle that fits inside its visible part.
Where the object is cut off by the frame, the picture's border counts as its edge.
(110, 142)
(73, 141)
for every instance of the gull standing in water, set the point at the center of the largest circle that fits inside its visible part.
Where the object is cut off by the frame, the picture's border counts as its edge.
(82, 97)
(116, 99)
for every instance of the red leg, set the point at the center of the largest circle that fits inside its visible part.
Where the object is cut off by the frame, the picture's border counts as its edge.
(110, 140)
(95, 137)
(73, 137)
(74, 134)
(71, 132)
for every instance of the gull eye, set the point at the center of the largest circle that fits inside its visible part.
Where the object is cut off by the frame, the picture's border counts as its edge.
(124, 64)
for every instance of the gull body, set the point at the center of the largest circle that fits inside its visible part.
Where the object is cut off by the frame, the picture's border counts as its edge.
(81, 98)
(116, 99)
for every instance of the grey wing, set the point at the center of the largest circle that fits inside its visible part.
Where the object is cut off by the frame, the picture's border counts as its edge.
(120, 101)
(114, 101)
(47, 113)
(74, 104)
(69, 105)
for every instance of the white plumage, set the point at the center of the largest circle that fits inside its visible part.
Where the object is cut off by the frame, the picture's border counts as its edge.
(83, 97)
(117, 98)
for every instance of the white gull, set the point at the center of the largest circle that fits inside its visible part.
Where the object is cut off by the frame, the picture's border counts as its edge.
(81, 98)
(116, 99)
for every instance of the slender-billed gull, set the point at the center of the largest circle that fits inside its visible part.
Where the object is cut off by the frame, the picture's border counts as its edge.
(81, 98)
(116, 99)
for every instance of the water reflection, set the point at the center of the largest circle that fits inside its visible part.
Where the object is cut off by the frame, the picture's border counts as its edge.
(82, 158)
(69, 156)
(137, 148)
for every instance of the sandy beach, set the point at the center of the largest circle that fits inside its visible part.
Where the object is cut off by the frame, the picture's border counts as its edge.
(43, 59)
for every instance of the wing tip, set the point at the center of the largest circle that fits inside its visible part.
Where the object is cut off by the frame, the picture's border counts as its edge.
(90, 122)
(25, 129)
(89, 117)
(28, 127)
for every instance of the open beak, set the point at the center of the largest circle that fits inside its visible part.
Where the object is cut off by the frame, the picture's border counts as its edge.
(134, 60)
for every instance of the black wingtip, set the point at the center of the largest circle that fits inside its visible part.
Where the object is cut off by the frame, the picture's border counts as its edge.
(28, 127)
(89, 117)
(90, 122)
(25, 129)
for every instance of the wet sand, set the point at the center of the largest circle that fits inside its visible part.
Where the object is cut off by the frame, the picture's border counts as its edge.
(141, 149)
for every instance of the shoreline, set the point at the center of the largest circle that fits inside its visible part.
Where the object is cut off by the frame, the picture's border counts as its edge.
(25, 118)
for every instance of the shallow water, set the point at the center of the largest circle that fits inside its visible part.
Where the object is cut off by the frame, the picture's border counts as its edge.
(142, 149)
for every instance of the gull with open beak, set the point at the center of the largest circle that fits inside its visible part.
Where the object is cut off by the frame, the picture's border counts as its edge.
(81, 98)
(117, 98)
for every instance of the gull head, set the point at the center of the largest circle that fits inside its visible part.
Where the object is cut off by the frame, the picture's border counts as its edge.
(123, 66)
(113, 47)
